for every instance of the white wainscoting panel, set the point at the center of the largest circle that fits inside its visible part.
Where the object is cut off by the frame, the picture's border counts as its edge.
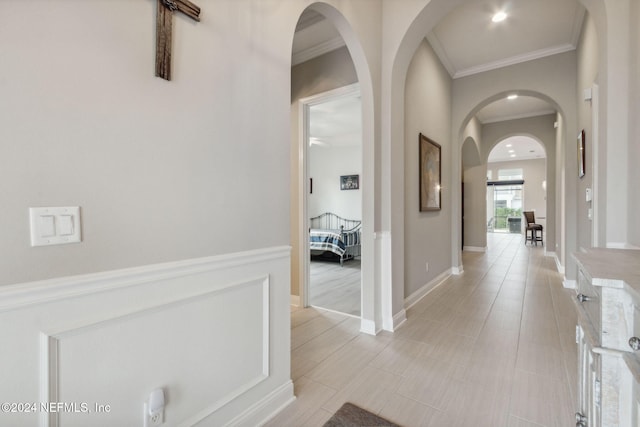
(214, 337)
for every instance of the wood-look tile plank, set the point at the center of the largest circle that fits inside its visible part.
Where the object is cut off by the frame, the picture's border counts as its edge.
(541, 399)
(369, 389)
(515, 367)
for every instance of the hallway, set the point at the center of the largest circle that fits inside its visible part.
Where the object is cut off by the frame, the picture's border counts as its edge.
(494, 346)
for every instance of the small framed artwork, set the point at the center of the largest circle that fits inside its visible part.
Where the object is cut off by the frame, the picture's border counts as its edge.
(581, 153)
(430, 174)
(349, 182)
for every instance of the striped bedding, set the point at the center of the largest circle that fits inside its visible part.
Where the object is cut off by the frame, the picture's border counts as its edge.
(328, 240)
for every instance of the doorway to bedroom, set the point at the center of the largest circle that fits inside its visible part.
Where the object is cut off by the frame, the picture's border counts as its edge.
(334, 201)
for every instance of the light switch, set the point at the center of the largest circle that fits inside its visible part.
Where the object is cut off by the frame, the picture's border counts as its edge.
(55, 226)
(65, 225)
(48, 225)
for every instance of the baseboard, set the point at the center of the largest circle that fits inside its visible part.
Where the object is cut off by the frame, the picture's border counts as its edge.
(559, 265)
(368, 327)
(457, 270)
(569, 284)
(621, 245)
(263, 411)
(295, 300)
(399, 319)
(474, 248)
(412, 299)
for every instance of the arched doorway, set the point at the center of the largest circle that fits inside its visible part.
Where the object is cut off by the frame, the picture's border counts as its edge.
(516, 182)
(300, 215)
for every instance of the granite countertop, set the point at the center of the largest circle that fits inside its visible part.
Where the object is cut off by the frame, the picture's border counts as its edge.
(614, 268)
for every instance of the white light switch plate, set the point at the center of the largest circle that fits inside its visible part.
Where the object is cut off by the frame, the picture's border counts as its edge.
(55, 226)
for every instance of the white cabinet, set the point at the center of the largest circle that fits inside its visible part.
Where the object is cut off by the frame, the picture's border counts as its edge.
(589, 381)
(608, 336)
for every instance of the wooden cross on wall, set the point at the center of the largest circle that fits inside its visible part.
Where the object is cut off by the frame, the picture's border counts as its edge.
(163, 31)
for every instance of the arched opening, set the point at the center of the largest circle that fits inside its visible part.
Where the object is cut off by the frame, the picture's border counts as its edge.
(516, 182)
(534, 117)
(305, 87)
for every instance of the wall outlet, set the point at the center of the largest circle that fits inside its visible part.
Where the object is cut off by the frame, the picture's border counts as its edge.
(152, 420)
(427, 267)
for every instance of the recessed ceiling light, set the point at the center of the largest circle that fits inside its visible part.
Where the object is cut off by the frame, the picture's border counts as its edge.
(509, 145)
(513, 155)
(512, 97)
(511, 151)
(499, 17)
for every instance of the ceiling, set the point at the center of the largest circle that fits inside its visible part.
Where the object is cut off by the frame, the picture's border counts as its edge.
(517, 148)
(468, 42)
(336, 122)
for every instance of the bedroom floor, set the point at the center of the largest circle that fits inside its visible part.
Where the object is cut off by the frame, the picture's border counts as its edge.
(494, 346)
(334, 287)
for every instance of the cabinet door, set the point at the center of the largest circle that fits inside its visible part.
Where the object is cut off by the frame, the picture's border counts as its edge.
(588, 391)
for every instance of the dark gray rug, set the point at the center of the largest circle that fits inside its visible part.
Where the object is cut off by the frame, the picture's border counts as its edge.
(349, 415)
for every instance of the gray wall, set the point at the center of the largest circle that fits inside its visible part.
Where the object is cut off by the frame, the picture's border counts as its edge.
(427, 235)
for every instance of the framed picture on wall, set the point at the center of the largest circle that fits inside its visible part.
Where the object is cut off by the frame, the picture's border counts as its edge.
(581, 153)
(349, 182)
(430, 174)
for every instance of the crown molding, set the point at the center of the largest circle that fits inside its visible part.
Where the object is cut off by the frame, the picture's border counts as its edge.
(578, 22)
(530, 56)
(518, 116)
(437, 47)
(317, 50)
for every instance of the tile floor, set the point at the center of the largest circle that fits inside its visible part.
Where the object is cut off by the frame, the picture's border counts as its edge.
(494, 346)
(336, 287)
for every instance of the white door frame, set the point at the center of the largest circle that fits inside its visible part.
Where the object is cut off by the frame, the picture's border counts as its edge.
(303, 184)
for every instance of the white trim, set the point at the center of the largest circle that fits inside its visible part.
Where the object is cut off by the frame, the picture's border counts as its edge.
(621, 245)
(437, 47)
(49, 381)
(559, 265)
(474, 248)
(519, 116)
(317, 50)
(399, 319)
(263, 411)
(31, 293)
(412, 299)
(383, 245)
(569, 284)
(456, 271)
(304, 105)
(517, 59)
(295, 300)
(368, 327)
(578, 21)
(50, 340)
